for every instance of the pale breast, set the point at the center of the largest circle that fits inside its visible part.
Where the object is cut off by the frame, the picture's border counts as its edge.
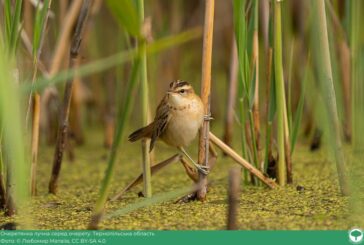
(184, 124)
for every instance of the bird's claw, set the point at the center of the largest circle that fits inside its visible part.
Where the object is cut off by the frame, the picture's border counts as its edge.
(208, 117)
(203, 169)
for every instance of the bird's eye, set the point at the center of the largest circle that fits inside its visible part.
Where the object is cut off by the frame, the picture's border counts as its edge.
(182, 91)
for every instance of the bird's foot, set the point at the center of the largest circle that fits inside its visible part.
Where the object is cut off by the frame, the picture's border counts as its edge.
(203, 169)
(208, 117)
(188, 198)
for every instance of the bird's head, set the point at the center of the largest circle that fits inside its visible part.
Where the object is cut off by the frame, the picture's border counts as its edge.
(181, 88)
(180, 92)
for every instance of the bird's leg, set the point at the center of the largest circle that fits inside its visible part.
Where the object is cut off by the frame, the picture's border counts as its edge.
(208, 117)
(202, 169)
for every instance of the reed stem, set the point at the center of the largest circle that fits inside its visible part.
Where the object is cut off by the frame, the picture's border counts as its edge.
(356, 82)
(327, 90)
(123, 114)
(147, 178)
(205, 92)
(231, 98)
(280, 94)
(255, 64)
(2, 179)
(37, 47)
(233, 198)
(241, 161)
(63, 123)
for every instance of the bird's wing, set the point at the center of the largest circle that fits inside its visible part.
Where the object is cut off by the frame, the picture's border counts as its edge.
(161, 120)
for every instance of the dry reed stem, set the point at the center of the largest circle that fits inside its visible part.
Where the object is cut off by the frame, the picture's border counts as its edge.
(191, 172)
(205, 92)
(154, 169)
(233, 198)
(63, 125)
(231, 98)
(63, 4)
(63, 40)
(28, 46)
(28, 18)
(241, 161)
(75, 109)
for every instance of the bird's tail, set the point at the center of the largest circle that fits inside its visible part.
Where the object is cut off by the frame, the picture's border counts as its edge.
(145, 132)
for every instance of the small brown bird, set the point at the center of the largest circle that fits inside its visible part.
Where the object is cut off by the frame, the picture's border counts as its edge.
(178, 118)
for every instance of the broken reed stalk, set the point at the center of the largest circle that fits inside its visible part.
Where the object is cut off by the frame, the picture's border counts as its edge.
(231, 98)
(327, 89)
(63, 123)
(203, 150)
(233, 198)
(154, 169)
(280, 93)
(147, 188)
(190, 171)
(241, 161)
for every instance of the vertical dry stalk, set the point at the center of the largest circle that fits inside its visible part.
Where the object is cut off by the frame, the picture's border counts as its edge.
(63, 41)
(233, 198)
(63, 125)
(205, 92)
(63, 4)
(28, 17)
(75, 109)
(231, 98)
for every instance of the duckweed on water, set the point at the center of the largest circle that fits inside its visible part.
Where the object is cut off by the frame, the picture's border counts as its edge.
(315, 204)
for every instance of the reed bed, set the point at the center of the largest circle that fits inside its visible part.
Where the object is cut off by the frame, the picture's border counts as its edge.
(274, 81)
